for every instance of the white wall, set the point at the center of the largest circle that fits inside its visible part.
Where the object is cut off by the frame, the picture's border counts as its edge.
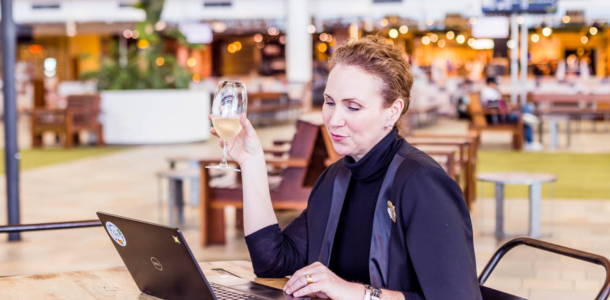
(79, 11)
(189, 10)
(193, 10)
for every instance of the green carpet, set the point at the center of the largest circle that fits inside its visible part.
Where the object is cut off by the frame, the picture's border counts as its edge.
(35, 158)
(579, 176)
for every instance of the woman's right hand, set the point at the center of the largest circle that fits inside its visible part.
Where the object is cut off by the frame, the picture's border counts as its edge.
(245, 146)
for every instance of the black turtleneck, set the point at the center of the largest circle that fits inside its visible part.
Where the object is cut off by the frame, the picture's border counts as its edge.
(350, 253)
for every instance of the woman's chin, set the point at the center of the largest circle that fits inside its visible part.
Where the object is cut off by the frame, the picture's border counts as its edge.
(342, 151)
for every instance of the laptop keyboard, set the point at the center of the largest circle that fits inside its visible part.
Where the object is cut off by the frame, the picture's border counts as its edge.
(225, 294)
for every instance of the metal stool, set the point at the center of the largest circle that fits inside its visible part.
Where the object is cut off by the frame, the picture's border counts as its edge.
(176, 180)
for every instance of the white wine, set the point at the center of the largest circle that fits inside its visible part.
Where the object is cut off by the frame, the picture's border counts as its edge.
(227, 128)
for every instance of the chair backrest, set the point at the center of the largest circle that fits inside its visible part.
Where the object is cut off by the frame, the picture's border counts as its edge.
(303, 140)
(303, 146)
(475, 109)
(84, 102)
(548, 100)
(548, 247)
(86, 108)
(332, 154)
(265, 98)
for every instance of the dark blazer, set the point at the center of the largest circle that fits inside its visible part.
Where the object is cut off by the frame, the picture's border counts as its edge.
(427, 254)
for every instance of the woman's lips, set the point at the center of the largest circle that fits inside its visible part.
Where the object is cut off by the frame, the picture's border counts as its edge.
(337, 138)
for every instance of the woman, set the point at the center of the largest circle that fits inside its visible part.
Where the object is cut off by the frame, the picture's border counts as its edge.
(385, 222)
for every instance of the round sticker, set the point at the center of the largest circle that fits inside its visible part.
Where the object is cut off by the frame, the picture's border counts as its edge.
(116, 234)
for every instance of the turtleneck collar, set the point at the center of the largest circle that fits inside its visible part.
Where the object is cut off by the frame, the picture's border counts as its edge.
(376, 159)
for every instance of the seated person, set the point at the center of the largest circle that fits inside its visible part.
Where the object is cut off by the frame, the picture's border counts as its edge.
(386, 220)
(463, 99)
(492, 99)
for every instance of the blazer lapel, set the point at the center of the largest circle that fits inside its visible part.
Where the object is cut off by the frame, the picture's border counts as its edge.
(339, 191)
(382, 227)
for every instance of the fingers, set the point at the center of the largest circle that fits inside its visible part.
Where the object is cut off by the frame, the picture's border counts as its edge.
(299, 275)
(213, 132)
(245, 123)
(297, 284)
(317, 271)
(309, 290)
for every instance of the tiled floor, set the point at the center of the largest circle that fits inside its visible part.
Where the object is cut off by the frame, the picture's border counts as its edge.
(124, 183)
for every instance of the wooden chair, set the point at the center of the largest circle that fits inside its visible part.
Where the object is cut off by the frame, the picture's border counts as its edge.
(270, 107)
(602, 107)
(575, 106)
(467, 161)
(81, 114)
(445, 156)
(300, 170)
(479, 121)
(448, 161)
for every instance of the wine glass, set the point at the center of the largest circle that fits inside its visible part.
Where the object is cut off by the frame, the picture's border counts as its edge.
(230, 101)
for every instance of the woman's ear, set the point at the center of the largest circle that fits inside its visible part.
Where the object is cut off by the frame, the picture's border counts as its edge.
(396, 109)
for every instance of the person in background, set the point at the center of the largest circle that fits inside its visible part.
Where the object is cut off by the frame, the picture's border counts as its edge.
(491, 98)
(463, 99)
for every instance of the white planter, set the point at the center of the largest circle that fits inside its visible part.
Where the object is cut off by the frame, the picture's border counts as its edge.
(155, 116)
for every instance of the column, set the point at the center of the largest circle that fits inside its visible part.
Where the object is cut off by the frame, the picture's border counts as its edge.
(499, 210)
(11, 151)
(514, 57)
(298, 46)
(535, 204)
(524, 41)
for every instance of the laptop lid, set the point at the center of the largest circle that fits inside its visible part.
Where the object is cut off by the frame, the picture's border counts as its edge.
(158, 258)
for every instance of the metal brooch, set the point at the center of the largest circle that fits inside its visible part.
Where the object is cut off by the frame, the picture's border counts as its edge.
(392, 211)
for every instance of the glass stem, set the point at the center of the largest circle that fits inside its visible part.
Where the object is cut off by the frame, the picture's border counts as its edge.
(223, 162)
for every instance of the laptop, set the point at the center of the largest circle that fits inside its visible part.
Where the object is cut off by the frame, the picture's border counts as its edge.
(162, 264)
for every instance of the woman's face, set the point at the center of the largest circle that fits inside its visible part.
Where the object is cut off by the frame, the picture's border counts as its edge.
(354, 112)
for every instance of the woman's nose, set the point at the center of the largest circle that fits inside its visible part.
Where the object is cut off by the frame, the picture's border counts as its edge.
(337, 119)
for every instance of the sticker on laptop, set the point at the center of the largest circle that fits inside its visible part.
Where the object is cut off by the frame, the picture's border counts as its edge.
(116, 234)
(156, 263)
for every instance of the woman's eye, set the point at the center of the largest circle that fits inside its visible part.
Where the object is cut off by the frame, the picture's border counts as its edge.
(329, 103)
(353, 108)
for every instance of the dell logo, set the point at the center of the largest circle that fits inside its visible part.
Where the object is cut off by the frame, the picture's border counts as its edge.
(156, 264)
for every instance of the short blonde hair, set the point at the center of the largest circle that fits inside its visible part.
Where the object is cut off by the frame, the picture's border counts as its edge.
(384, 60)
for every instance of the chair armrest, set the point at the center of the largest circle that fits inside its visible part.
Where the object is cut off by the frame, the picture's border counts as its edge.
(288, 163)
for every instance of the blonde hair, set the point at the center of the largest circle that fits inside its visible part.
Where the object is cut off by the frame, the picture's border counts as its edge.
(384, 60)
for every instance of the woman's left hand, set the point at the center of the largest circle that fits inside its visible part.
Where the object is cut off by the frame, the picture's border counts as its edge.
(325, 284)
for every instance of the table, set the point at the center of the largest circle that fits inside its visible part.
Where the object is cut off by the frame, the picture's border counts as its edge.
(553, 121)
(110, 284)
(534, 180)
(175, 197)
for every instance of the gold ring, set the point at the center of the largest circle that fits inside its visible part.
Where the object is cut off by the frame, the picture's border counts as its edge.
(309, 279)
